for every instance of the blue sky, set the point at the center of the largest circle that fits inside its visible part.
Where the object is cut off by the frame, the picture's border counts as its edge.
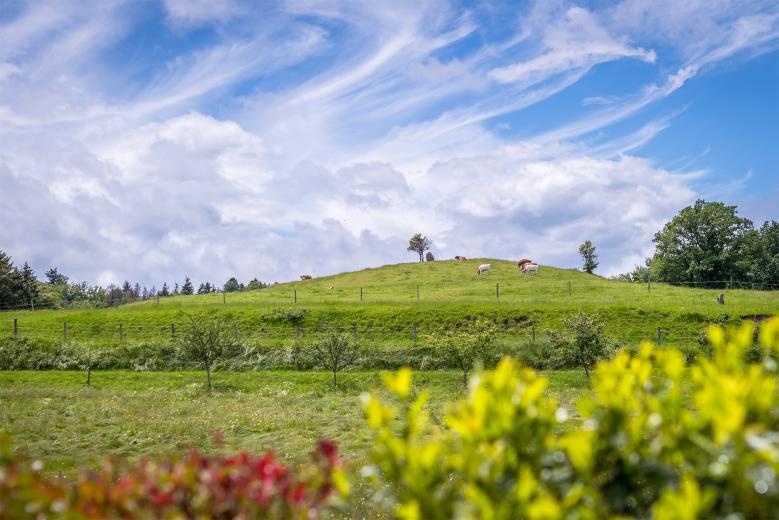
(210, 138)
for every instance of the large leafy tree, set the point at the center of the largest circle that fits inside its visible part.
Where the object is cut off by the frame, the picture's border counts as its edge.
(419, 243)
(763, 255)
(703, 243)
(232, 285)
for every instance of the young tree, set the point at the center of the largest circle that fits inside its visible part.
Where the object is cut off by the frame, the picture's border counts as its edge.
(187, 288)
(54, 277)
(419, 244)
(232, 285)
(703, 243)
(205, 339)
(640, 274)
(335, 353)
(582, 343)
(176, 291)
(465, 347)
(587, 250)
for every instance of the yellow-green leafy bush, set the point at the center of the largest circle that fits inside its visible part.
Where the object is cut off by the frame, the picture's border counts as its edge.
(655, 439)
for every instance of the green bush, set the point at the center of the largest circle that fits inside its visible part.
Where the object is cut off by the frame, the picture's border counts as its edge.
(656, 440)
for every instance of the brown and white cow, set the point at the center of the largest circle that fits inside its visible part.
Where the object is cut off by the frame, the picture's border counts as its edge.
(460, 258)
(530, 268)
(305, 277)
(522, 263)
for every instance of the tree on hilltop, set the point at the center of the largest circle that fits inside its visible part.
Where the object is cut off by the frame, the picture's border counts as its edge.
(419, 244)
(587, 250)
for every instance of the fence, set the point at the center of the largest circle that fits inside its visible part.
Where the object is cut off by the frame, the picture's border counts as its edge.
(523, 290)
(367, 333)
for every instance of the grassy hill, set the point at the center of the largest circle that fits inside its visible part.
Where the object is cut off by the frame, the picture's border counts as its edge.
(449, 293)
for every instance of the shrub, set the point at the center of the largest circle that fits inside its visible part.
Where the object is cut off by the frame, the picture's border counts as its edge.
(656, 439)
(195, 486)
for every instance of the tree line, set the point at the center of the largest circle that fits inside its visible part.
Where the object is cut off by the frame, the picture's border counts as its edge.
(20, 287)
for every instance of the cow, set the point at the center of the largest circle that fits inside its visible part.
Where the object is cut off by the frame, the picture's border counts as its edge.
(483, 268)
(522, 263)
(305, 276)
(530, 268)
(460, 258)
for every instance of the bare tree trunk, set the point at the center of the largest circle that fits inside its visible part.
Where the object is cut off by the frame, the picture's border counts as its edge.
(335, 383)
(208, 373)
(465, 379)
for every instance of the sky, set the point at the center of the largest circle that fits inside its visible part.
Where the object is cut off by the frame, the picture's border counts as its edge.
(153, 140)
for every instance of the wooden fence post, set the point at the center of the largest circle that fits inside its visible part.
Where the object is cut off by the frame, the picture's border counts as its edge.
(89, 376)
(295, 295)
(158, 300)
(360, 294)
(414, 333)
(65, 331)
(297, 333)
(172, 330)
(569, 288)
(121, 332)
(354, 332)
(16, 328)
(224, 298)
(659, 335)
(534, 333)
(497, 291)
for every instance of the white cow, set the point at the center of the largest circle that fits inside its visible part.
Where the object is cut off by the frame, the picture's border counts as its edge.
(530, 268)
(483, 268)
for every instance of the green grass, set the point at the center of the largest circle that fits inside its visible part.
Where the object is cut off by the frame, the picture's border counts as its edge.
(53, 416)
(450, 293)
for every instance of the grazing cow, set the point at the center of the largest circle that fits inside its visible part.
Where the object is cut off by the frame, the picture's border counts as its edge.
(460, 258)
(522, 262)
(305, 276)
(530, 268)
(483, 268)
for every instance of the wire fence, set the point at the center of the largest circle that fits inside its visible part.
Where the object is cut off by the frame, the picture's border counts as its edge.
(368, 333)
(521, 290)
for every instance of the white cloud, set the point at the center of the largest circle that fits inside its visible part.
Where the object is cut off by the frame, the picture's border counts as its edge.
(197, 12)
(579, 41)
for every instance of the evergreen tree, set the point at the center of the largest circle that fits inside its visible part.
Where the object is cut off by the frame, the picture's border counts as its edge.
(176, 289)
(202, 289)
(255, 284)
(187, 287)
(164, 291)
(11, 283)
(54, 277)
(29, 283)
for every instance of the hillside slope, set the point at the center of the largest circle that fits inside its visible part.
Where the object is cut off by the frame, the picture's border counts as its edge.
(449, 293)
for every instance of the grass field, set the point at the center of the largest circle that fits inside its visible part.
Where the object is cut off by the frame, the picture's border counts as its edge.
(449, 293)
(53, 416)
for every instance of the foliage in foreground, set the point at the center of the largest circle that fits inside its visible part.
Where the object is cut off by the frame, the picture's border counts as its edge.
(197, 486)
(641, 449)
